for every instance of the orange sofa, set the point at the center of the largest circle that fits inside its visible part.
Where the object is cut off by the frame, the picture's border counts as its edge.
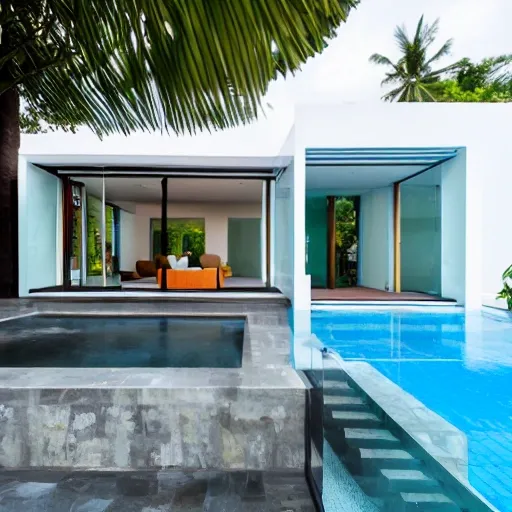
(205, 279)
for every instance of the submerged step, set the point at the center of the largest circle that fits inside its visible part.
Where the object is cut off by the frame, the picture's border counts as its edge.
(335, 374)
(370, 438)
(405, 480)
(335, 387)
(349, 403)
(426, 502)
(355, 419)
(369, 461)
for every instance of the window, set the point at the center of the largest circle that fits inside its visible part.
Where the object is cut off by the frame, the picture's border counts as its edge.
(183, 235)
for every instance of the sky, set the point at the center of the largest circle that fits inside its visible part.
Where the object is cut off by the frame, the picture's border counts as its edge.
(342, 72)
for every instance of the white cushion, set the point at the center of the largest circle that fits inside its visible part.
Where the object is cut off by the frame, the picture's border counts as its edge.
(172, 261)
(182, 263)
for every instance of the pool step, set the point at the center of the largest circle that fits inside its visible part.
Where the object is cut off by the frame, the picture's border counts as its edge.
(344, 403)
(334, 374)
(405, 480)
(369, 461)
(426, 502)
(355, 419)
(370, 438)
(337, 387)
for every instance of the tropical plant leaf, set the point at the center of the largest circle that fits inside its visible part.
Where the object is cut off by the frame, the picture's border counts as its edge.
(413, 70)
(180, 65)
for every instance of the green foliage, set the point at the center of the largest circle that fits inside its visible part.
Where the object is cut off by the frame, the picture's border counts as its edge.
(346, 234)
(177, 231)
(506, 292)
(451, 91)
(34, 120)
(168, 65)
(413, 75)
(492, 73)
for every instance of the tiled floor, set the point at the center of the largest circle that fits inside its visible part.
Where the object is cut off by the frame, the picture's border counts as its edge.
(161, 491)
(360, 293)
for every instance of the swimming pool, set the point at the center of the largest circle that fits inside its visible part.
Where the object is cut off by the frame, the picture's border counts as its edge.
(121, 342)
(458, 364)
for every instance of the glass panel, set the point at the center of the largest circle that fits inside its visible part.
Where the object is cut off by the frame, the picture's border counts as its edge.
(76, 237)
(94, 241)
(420, 224)
(184, 235)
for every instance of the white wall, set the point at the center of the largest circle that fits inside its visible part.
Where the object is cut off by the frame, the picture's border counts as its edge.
(375, 216)
(216, 223)
(453, 228)
(129, 240)
(39, 220)
(483, 129)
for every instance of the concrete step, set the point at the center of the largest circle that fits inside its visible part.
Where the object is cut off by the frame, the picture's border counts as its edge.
(334, 374)
(369, 461)
(355, 419)
(345, 403)
(370, 438)
(335, 387)
(424, 502)
(406, 480)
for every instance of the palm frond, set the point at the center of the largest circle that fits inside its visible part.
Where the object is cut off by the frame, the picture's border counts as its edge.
(442, 52)
(164, 64)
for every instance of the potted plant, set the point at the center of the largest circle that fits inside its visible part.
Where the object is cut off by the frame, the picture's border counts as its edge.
(506, 292)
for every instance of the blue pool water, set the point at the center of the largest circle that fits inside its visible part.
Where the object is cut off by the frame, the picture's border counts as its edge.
(122, 342)
(457, 364)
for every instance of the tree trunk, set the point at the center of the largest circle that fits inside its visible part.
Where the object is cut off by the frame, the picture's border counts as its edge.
(9, 150)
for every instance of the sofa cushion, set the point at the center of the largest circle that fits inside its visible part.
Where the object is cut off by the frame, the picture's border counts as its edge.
(172, 261)
(146, 268)
(182, 263)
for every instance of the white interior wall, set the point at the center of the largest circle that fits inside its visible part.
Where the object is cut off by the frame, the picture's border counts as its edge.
(216, 217)
(39, 220)
(453, 228)
(375, 230)
(129, 240)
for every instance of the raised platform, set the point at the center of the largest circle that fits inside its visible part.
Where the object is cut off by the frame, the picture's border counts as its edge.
(361, 293)
(139, 418)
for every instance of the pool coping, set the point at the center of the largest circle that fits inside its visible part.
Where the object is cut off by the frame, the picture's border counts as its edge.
(265, 358)
(440, 441)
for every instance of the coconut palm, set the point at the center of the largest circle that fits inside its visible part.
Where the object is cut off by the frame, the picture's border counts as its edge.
(413, 75)
(126, 65)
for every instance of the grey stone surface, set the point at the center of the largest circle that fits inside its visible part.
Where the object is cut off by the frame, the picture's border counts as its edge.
(163, 491)
(126, 418)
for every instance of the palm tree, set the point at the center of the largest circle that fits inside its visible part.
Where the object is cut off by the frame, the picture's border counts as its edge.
(413, 74)
(126, 65)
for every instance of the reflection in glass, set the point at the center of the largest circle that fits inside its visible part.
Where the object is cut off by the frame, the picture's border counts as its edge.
(184, 235)
(420, 225)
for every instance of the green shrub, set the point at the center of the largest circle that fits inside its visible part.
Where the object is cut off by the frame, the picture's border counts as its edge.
(506, 292)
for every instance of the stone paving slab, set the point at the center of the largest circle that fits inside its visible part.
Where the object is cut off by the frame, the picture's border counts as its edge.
(155, 491)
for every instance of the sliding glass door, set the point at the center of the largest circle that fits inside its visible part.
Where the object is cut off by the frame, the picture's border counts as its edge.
(420, 233)
(94, 241)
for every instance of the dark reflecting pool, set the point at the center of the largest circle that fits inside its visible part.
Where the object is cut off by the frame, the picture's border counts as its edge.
(119, 342)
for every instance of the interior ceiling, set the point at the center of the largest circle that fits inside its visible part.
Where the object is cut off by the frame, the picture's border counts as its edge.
(355, 171)
(180, 190)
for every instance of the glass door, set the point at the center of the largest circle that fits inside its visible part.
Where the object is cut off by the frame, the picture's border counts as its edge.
(77, 232)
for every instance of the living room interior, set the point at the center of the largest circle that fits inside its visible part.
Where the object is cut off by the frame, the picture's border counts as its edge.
(211, 222)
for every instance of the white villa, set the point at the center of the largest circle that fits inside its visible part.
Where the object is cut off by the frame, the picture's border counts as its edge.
(431, 183)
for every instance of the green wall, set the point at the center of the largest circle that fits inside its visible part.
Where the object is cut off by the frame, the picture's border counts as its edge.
(316, 240)
(244, 247)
